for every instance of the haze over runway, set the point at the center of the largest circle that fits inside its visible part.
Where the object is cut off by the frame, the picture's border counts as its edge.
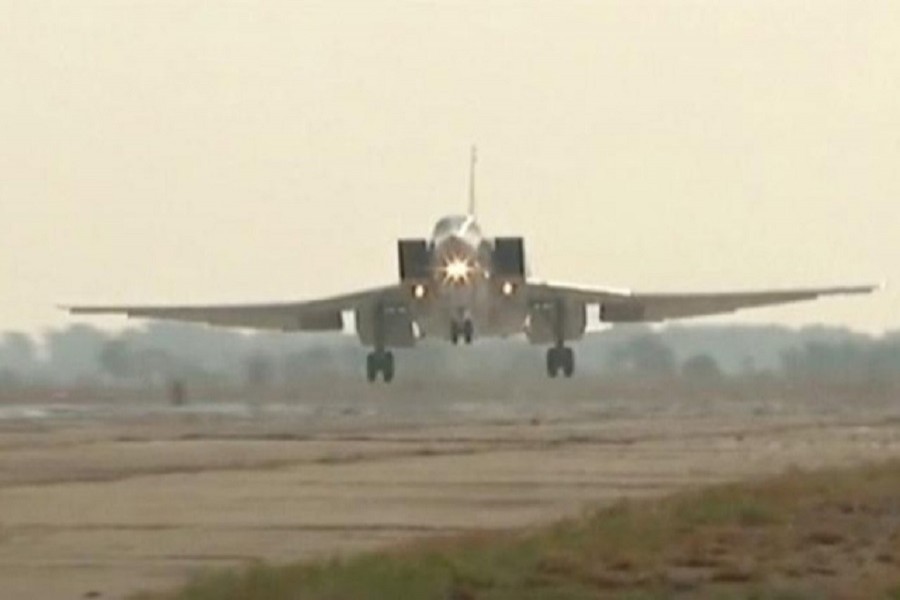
(238, 152)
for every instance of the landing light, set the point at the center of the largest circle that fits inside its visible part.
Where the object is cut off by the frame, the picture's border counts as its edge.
(419, 291)
(508, 288)
(457, 270)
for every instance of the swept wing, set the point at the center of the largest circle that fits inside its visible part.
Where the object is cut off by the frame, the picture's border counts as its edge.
(627, 306)
(313, 315)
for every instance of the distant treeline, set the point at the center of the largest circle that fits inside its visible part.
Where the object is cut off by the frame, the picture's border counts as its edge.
(159, 353)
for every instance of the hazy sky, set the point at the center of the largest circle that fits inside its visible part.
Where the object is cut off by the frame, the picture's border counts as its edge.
(225, 151)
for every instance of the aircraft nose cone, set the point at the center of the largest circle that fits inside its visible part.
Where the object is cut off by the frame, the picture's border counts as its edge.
(451, 243)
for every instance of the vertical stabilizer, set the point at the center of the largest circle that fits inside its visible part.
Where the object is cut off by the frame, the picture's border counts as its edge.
(473, 159)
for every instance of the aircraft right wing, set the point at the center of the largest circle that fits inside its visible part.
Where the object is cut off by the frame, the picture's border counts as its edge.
(626, 306)
(313, 315)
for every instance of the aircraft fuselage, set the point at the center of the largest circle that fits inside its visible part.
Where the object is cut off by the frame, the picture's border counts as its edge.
(466, 294)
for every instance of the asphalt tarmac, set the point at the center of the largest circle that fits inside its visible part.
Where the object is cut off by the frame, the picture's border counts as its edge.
(101, 499)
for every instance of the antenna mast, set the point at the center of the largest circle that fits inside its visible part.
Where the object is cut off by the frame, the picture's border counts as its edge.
(473, 160)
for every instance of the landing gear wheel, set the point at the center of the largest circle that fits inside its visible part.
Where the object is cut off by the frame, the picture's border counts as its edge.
(552, 363)
(372, 367)
(468, 331)
(568, 361)
(560, 358)
(380, 362)
(463, 331)
(387, 367)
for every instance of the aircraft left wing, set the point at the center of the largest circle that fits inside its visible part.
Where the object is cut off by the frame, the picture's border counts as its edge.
(626, 306)
(313, 315)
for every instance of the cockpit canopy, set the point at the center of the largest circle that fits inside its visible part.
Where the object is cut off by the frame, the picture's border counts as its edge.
(461, 226)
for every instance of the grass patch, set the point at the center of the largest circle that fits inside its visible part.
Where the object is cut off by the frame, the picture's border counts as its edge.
(800, 535)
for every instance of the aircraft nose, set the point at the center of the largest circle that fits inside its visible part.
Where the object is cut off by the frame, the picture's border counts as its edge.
(456, 260)
(450, 241)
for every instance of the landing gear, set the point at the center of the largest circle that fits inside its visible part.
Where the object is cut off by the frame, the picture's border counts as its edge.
(380, 362)
(464, 331)
(560, 358)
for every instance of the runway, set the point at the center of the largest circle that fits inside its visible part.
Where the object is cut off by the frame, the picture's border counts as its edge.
(100, 498)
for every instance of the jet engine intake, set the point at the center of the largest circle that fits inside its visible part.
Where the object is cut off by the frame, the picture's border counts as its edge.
(509, 257)
(414, 259)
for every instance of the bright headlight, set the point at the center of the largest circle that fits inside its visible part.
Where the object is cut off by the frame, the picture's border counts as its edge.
(457, 270)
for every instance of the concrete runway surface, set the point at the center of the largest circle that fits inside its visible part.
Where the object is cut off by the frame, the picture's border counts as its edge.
(102, 500)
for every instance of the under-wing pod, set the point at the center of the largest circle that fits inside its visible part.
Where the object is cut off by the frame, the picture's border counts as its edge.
(385, 326)
(555, 321)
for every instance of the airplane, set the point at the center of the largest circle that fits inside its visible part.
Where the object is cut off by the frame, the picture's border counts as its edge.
(460, 285)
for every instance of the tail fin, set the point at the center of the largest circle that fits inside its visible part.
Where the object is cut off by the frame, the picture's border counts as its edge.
(473, 159)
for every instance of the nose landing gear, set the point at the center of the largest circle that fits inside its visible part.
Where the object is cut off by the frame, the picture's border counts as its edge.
(461, 331)
(560, 358)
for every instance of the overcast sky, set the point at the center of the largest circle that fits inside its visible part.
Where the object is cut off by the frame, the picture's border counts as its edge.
(225, 151)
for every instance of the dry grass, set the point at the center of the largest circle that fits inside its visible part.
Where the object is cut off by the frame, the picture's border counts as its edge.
(828, 534)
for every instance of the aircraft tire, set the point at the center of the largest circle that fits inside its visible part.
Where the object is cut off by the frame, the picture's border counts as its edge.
(552, 362)
(568, 361)
(468, 331)
(372, 367)
(387, 366)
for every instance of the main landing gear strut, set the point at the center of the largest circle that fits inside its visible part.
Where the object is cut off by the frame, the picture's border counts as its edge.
(560, 357)
(380, 361)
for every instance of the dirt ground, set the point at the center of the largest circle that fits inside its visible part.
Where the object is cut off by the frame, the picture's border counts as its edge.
(103, 499)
